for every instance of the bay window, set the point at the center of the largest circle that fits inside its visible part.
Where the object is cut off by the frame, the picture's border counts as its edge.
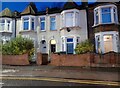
(5, 25)
(105, 14)
(28, 23)
(70, 18)
(106, 41)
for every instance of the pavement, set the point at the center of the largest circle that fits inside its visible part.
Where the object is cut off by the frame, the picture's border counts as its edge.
(79, 73)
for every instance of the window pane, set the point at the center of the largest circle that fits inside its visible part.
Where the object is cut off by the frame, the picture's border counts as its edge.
(70, 40)
(2, 25)
(32, 25)
(105, 10)
(69, 19)
(42, 23)
(106, 18)
(26, 25)
(97, 19)
(2, 21)
(26, 19)
(52, 23)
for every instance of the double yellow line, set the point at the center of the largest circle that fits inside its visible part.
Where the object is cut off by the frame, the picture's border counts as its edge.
(65, 80)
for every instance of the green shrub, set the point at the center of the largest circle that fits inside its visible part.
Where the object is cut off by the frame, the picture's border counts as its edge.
(18, 46)
(84, 47)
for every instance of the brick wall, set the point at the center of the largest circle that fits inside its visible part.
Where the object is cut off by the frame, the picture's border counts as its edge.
(15, 59)
(88, 59)
(71, 60)
(108, 58)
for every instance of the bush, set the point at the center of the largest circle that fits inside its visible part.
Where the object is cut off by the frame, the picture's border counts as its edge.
(18, 46)
(84, 47)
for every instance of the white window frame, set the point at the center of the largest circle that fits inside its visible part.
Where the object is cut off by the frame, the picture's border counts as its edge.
(43, 21)
(6, 25)
(99, 8)
(75, 19)
(101, 35)
(30, 17)
(53, 21)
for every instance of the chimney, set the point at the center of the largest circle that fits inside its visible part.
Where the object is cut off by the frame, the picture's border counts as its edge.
(47, 10)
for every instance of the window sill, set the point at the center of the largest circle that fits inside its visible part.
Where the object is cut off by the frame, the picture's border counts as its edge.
(27, 31)
(6, 31)
(53, 30)
(42, 30)
(104, 24)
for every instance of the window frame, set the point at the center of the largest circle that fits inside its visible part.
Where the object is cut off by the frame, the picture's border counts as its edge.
(72, 19)
(2, 24)
(24, 23)
(52, 22)
(106, 13)
(44, 21)
(71, 42)
(99, 8)
(32, 22)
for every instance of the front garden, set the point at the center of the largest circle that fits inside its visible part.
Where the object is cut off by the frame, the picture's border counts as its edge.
(18, 51)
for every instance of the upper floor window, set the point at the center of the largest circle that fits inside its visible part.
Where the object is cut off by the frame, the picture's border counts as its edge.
(26, 24)
(2, 25)
(5, 24)
(69, 19)
(105, 14)
(42, 23)
(52, 23)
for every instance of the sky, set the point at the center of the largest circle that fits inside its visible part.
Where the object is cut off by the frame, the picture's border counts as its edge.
(20, 6)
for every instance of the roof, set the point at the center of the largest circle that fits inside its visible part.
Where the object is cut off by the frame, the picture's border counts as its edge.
(6, 13)
(70, 4)
(30, 9)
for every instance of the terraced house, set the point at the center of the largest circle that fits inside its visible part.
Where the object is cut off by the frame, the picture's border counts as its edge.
(61, 29)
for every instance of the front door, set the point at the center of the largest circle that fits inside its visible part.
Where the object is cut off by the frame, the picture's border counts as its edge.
(70, 49)
(52, 46)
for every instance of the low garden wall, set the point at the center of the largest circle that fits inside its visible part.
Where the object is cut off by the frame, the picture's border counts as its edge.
(42, 59)
(111, 58)
(15, 59)
(88, 59)
(71, 60)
